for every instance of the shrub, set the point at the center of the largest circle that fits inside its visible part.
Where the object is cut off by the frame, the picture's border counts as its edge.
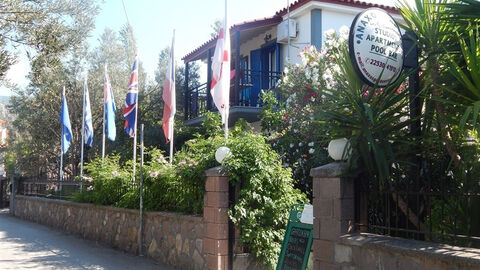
(105, 182)
(265, 198)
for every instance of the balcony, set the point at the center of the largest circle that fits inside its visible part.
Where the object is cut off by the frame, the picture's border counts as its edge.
(245, 101)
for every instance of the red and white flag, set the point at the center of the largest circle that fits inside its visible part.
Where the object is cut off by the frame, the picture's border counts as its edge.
(169, 108)
(221, 72)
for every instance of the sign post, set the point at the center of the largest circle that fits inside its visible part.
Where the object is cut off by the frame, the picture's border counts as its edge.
(375, 46)
(297, 242)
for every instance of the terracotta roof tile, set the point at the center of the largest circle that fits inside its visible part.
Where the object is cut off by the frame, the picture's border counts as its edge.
(277, 18)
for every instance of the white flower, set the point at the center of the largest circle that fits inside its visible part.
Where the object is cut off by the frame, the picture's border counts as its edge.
(88, 179)
(308, 73)
(329, 33)
(154, 174)
(344, 30)
(292, 145)
(304, 59)
(161, 159)
(311, 144)
(300, 144)
(311, 151)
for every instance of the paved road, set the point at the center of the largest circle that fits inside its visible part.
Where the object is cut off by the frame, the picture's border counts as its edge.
(26, 245)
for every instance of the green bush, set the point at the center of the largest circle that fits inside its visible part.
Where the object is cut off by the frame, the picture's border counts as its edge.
(105, 183)
(266, 187)
(265, 198)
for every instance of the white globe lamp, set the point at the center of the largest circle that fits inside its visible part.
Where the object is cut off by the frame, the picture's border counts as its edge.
(221, 153)
(336, 148)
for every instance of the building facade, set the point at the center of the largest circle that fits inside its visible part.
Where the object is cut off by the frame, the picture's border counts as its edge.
(260, 50)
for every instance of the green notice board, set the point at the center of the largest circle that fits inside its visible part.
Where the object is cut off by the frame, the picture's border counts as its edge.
(297, 242)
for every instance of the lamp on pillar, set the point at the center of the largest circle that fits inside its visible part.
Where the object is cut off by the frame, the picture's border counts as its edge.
(221, 153)
(337, 149)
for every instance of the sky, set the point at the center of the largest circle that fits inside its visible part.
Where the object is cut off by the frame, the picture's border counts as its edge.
(153, 22)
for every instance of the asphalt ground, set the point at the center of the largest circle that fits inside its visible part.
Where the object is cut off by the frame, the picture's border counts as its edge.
(27, 245)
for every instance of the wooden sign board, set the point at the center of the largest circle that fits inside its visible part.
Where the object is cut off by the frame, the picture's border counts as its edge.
(297, 242)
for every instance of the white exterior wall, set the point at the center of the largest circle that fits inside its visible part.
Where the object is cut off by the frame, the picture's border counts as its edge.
(303, 38)
(333, 17)
(255, 43)
(335, 20)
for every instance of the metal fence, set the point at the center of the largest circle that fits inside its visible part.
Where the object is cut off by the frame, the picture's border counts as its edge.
(445, 210)
(4, 192)
(250, 83)
(49, 188)
(196, 101)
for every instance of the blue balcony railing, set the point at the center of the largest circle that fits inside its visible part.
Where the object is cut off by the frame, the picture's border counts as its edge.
(245, 94)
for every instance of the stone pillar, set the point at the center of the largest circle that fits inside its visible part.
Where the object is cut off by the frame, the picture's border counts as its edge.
(216, 220)
(333, 211)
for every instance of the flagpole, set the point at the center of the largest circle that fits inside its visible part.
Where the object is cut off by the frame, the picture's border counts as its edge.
(172, 121)
(136, 121)
(228, 101)
(104, 112)
(60, 175)
(171, 146)
(83, 136)
(135, 142)
(140, 229)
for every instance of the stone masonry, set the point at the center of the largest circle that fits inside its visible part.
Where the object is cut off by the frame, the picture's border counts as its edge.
(333, 211)
(216, 219)
(336, 246)
(171, 238)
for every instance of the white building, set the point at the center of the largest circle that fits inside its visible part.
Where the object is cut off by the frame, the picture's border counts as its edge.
(260, 50)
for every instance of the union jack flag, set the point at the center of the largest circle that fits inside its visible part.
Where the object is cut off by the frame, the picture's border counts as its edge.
(130, 107)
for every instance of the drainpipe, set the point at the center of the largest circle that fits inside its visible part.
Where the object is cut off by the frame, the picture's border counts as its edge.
(288, 30)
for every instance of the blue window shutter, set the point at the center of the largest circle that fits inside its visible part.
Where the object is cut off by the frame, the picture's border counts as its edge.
(316, 28)
(277, 57)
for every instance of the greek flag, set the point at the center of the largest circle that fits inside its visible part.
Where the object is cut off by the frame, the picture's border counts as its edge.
(87, 114)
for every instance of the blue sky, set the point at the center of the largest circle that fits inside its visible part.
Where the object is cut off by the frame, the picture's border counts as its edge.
(154, 20)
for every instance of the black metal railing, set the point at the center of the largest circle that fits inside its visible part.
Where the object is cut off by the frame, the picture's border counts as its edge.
(444, 210)
(49, 188)
(196, 101)
(250, 84)
(4, 192)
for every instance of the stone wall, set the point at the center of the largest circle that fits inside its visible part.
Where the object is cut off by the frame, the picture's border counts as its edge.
(173, 239)
(188, 242)
(337, 246)
(369, 251)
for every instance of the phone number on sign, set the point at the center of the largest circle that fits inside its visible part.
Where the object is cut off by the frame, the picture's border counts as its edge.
(381, 64)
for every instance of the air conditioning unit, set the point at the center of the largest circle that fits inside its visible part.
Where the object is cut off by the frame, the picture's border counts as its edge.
(282, 31)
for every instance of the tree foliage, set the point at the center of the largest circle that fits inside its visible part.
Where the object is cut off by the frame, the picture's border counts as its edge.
(46, 28)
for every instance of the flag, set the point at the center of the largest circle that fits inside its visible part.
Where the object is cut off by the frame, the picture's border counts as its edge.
(130, 107)
(109, 108)
(221, 72)
(87, 114)
(169, 108)
(66, 127)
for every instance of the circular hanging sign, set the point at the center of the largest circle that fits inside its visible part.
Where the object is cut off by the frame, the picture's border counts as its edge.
(375, 45)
